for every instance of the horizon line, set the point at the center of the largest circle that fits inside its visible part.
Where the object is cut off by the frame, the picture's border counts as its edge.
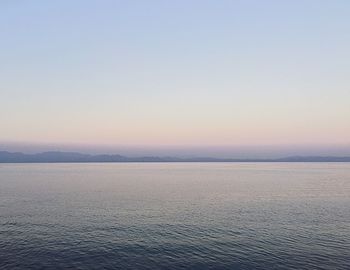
(77, 157)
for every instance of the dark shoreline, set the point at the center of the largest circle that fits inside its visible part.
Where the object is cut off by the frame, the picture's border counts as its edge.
(73, 157)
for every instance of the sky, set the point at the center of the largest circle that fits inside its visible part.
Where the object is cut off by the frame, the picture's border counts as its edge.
(230, 78)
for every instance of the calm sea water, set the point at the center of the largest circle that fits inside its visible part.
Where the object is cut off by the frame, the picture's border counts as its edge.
(175, 216)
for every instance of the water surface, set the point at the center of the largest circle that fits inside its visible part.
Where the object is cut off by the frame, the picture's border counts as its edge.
(175, 216)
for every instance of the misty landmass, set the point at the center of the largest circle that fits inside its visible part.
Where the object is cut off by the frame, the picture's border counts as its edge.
(71, 157)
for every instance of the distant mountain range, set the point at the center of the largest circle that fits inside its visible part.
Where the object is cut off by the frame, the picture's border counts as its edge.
(70, 157)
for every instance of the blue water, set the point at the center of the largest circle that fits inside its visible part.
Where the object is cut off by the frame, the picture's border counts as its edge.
(175, 216)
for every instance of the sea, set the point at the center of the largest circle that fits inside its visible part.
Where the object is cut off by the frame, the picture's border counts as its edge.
(175, 216)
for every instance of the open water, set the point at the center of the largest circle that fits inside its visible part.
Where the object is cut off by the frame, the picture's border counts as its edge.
(175, 216)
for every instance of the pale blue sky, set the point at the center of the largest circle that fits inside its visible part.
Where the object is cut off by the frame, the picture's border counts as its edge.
(175, 73)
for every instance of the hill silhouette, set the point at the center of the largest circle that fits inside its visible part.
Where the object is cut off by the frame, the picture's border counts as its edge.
(71, 157)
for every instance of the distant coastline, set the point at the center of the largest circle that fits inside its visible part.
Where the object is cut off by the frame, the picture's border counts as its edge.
(75, 157)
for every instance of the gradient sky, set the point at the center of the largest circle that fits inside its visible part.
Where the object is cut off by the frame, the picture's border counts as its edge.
(175, 73)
